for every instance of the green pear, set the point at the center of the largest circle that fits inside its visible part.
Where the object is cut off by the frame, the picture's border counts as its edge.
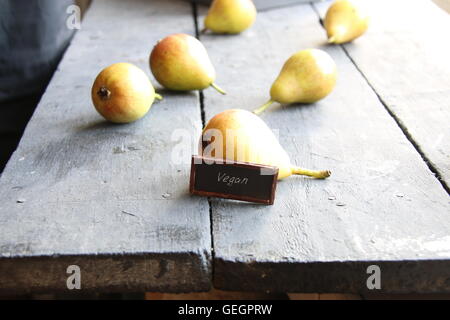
(230, 16)
(239, 135)
(306, 77)
(345, 21)
(180, 62)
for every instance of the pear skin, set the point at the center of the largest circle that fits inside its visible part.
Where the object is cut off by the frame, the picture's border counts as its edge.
(180, 62)
(239, 135)
(345, 21)
(122, 93)
(306, 77)
(230, 16)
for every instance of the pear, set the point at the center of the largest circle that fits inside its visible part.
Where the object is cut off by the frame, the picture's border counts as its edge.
(122, 93)
(180, 62)
(306, 77)
(239, 135)
(345, 21)
(230, 16)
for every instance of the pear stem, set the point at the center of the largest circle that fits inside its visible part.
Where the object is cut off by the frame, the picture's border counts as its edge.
(332, 39)
(311, 173)
(158, 96)
(220, 90)
(263, 107)
(203, 31)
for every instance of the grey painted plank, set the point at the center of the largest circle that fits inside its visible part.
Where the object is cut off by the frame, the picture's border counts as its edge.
(405, 57)
(106, 197)
(389, 209)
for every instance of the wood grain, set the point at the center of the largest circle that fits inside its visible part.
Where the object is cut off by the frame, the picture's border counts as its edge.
(381, 205)
(79, 190)
(405, 57)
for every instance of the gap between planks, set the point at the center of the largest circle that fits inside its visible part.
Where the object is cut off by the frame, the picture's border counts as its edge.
(201, 98)
(397, 120)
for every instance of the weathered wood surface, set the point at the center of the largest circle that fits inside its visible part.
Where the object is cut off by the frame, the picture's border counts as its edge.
(262, 4)
(405, 57)
(106, 197)
(109, 199)
(382, 205)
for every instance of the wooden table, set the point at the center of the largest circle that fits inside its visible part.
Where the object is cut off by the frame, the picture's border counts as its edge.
(108, 198)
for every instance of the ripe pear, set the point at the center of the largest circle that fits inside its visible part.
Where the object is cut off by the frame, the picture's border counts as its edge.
(345, 21)
(239, 135)
(306, 77)
(123, 93)
(180, 62)
(230, 16)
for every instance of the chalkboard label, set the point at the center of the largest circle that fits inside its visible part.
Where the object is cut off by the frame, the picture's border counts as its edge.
(238, 180)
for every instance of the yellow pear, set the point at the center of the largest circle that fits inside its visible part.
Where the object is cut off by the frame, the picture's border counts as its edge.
(230, 16)
(345, 21)
(180, 62)
(306, 77)
(239, 135)
(123, 93)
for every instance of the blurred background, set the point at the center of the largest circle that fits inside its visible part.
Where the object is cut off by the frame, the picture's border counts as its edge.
(33, 38)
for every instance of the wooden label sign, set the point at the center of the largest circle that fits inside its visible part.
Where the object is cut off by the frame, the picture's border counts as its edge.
(238, 180)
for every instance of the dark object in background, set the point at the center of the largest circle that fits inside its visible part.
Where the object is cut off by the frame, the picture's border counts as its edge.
(33, 37)
(264, 4)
